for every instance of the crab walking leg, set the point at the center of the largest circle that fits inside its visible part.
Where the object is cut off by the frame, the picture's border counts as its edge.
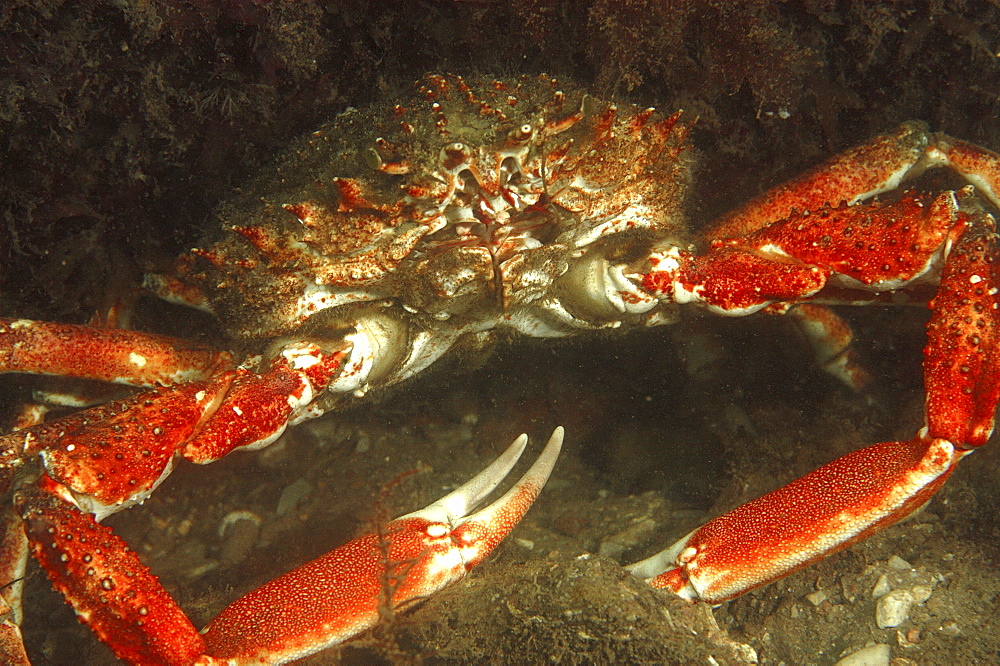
(13, 558)
(860, 173)
(107, 354)
(979, 166)
(844, 250)
(111, 590)
(865, 491)
(101, 460)
(114, 455)
(962, 356)
(801, 523)
(831, 338)
(874, 167)
(845, 254)
(340, 594)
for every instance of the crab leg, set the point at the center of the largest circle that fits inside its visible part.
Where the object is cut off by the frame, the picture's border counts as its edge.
(13, 557)
(12, 650)
(831, 338)
(841, 251)
(340, 594)
(202, 420)
(858, 174)
(865, 491)
(101, 460)
(107, 354)
(111, 590)
(315, 606)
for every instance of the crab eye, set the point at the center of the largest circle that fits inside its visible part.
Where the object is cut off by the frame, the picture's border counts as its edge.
(454, 154)
(455, 151)
(522, 133)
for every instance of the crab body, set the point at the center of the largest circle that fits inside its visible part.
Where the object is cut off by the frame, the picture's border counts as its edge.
(468, 210)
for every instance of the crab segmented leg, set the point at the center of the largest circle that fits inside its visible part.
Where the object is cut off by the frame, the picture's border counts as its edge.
(106, 354)
(838, 254)
(106, 583)
(858, 174)
(12, 650)
(98, 461)
(790, 528)
(865, 491)
(13, 558)
(315, 606)
(831, 338)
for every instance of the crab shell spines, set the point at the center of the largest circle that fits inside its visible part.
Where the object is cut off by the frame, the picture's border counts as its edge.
(470, 199)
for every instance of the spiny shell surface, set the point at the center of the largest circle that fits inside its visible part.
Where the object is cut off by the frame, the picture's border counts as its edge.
(467, 201)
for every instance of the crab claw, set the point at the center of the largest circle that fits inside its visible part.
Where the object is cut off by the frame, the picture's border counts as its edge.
(344, 592)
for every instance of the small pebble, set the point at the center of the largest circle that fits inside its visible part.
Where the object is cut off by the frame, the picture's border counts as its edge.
(872, 655)
(882, 587)
(921, 593)
(893, 608)
(848, 589)
(816, 598)
(950, 628)
(898, 563)
(292, 495)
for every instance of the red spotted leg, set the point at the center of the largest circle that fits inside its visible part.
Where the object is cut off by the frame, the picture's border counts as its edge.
(315, 606)
(879, 165)
(339, 594)
(98, 461)
(107, 354)
(865, 491)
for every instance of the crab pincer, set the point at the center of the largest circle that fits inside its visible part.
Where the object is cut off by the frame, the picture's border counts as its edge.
(340, 594)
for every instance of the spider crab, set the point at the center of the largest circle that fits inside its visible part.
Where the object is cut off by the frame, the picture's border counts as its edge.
(394, 236)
